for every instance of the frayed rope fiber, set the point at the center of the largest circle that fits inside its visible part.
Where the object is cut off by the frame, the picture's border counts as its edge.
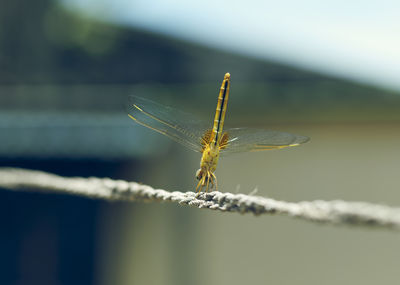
(333, 212)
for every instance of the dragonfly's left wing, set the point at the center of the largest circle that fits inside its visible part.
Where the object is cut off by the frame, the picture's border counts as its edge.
(244, 139)
(177, 125)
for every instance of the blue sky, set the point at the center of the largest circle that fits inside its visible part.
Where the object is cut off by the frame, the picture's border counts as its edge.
(359, 40)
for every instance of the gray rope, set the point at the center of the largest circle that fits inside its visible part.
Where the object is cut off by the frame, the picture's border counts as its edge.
(335, 212)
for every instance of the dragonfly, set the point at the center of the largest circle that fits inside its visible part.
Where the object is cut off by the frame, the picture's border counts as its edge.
(211, 142)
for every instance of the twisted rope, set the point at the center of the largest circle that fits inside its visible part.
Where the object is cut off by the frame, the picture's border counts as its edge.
(334, 212)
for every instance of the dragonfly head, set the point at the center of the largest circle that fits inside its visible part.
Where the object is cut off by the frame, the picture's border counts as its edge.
(206, 179)
(199, 174)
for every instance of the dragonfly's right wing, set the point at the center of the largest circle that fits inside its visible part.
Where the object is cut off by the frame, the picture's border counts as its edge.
(244, 139)
(175, 124)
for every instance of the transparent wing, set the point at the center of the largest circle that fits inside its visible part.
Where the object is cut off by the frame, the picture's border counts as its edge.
(175, 124)
(244, 139)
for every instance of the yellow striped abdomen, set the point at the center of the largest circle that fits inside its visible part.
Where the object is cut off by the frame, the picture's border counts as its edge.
(221, 110)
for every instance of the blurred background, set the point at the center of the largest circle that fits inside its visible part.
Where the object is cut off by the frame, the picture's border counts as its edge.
(328, 70)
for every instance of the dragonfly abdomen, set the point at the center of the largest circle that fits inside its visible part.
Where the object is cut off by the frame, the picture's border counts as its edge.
(221, 109)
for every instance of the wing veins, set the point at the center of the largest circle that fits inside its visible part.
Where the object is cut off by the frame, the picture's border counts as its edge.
(175, 124)
(173, 137)
(244, 139)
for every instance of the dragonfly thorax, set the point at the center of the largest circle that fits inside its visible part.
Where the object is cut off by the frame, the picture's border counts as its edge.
(208, 165)
(209, 160)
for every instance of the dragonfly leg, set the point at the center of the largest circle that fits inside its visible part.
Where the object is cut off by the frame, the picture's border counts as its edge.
(200, 185)
(205, 181)
(215, 179)
(208, 181)
(212, 182)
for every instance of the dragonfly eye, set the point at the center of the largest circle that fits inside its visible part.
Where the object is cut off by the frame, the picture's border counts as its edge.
(199, 174)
